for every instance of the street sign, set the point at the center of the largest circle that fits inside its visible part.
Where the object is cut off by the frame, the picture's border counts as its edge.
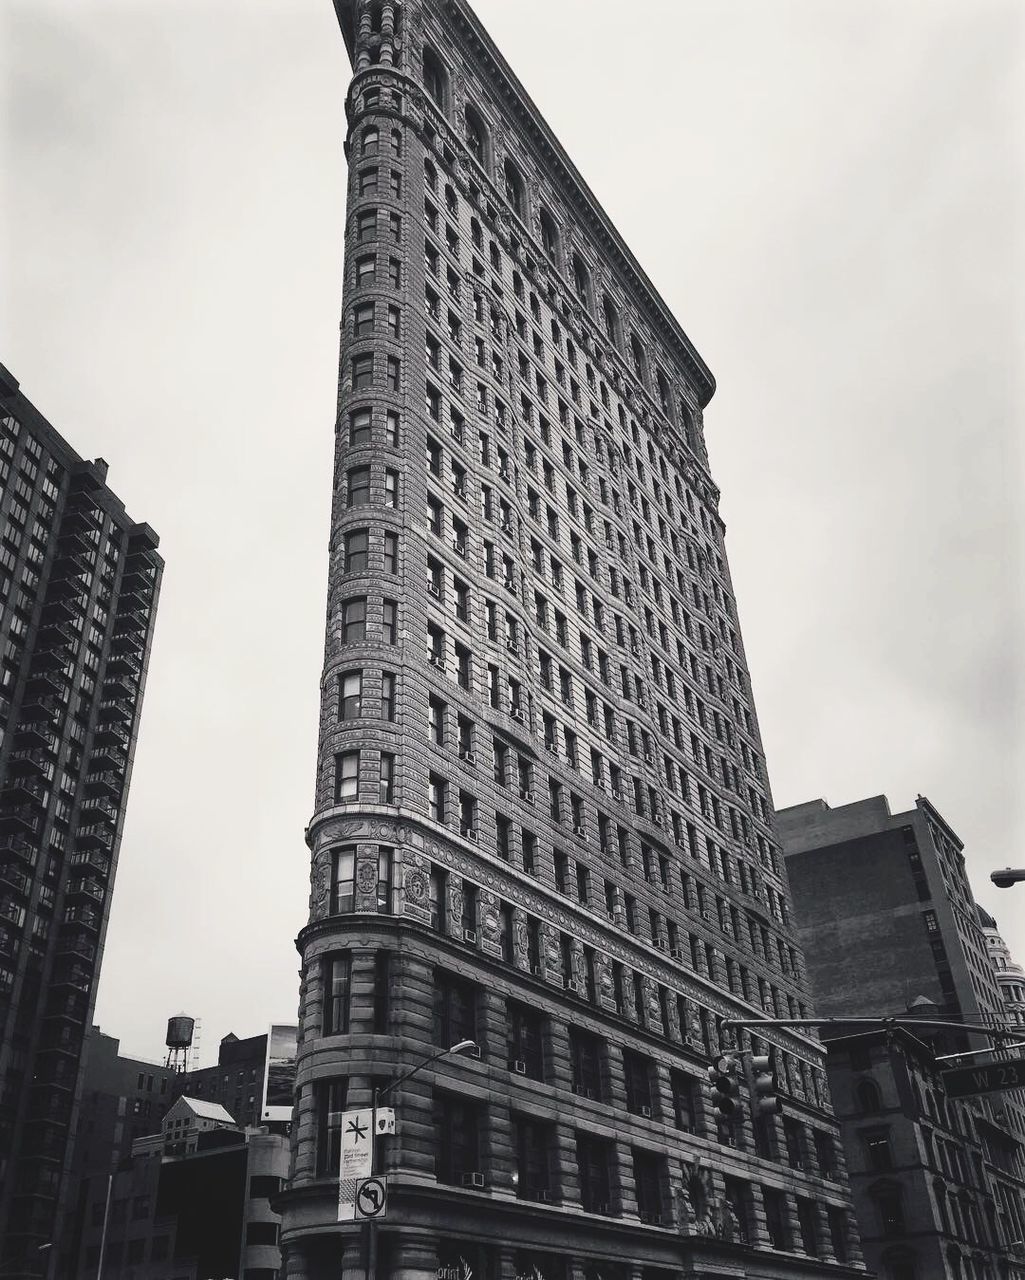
(372, 1198)
(357, 1159)
(989, 1077)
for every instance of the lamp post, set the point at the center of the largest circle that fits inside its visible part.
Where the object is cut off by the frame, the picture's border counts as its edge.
(1008, 876)
(461, 1047)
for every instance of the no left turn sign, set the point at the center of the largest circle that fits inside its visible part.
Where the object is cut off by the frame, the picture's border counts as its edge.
(372, 1198)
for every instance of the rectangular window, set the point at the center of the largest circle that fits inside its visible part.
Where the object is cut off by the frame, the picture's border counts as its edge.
(360, 424)
(387, 695)
(354, 620)
(347, 777)
(358, 490)
(386, 784)
(350, 695)
(337, 994)
(343, 885)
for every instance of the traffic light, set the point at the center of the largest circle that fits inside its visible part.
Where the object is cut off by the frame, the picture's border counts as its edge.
(723, 1077)
(764, 1099)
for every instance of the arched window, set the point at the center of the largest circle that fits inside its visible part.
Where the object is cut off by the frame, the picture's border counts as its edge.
(549, 234)
(435, 79)
(611, 317)
(476, 135)
(370, 140)
(899, 1264)
(581, 280)
(637, 355)
(867, 1097)
(514, 189)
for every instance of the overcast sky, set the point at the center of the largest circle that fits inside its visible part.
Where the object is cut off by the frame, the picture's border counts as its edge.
(829, 195)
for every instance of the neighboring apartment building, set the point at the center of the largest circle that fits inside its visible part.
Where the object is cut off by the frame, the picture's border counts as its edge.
(191, 1202)
(542, 817)
(888, 925)
(919, 1163)
(78, 591)
(121, 1099)
(236, 1081)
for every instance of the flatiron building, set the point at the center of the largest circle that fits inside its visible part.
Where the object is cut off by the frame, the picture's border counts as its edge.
(542, 818)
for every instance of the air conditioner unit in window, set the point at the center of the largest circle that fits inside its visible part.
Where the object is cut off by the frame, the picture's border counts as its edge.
(528, 796)
(583, 1092)
(468, 757)
(661, 944)
(474, 1181)
(537, 970)
(519, 1066)
(676, 953)
(652, 1219)
(511, 645)
(649, 758)
(580, 831)
(646, 1112)
(517, 714)
(476, 1053)
(616, 794)
(544, 1196)
(459, 548)
(656, 819)
(550, 746)
(504, 474)
(471, 834)
(604, 1209)
(635, 649)
(436, 660)
(706, 915)
(507, 526)
(434, 590)
(572, 985)
(470, 935)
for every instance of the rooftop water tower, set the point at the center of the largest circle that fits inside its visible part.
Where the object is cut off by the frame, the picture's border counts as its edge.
(179, 1041)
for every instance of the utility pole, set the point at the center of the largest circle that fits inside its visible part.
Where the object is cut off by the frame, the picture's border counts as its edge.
(462, 1047)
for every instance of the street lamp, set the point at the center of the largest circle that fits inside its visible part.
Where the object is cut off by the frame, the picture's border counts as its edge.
(1008, 876)
(463, 1046)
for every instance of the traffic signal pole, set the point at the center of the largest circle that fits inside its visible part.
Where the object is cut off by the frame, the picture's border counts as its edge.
(878, 1023)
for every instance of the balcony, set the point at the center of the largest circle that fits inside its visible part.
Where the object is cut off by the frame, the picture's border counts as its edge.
(72, 543)
(41, 706)
(25, 818)
(114, 734)
(36, 758)
(81, 520)
(84, 887)
(56, 613)
(107, 754)
(25, 785)
(91, 860)
(76, 944)
(116, 709)
(73, 975)
(71, 560)
(117, 686)
(95, 835)
(52, 655)
(41, 683)
(123, 661)
(12, 877)
(108, 782)
(15, 847)
(100, 809)
(37, 733)
(132, 619)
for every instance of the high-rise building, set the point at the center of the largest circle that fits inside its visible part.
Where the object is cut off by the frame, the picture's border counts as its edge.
(1010, 975)
(542, 819)
(78, 591)
(888, 926)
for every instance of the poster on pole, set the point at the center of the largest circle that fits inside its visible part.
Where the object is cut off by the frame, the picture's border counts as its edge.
(356, 1159)
(279, 1072)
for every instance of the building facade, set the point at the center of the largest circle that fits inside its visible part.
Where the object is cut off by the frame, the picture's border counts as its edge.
(888, 925)
(236, 1081)
(79, 581)
(121, 1099)
(190, 1202)
(919, 1164)
(542, 817)
(1010, 975)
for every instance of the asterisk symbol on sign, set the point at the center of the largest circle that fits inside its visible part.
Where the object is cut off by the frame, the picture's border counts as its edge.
(357, 1128)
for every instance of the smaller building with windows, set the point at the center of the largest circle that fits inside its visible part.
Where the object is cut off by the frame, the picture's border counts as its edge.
(924, 1169)
(191, 1201)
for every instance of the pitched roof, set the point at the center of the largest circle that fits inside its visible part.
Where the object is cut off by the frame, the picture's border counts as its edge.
(207, 1110)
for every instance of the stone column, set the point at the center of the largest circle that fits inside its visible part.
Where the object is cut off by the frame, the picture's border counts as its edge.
(565, 1177)
(826, 1250)
(412, 1257)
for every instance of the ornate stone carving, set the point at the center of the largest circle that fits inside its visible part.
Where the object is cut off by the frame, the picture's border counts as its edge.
(366, 877)
(416, 886)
